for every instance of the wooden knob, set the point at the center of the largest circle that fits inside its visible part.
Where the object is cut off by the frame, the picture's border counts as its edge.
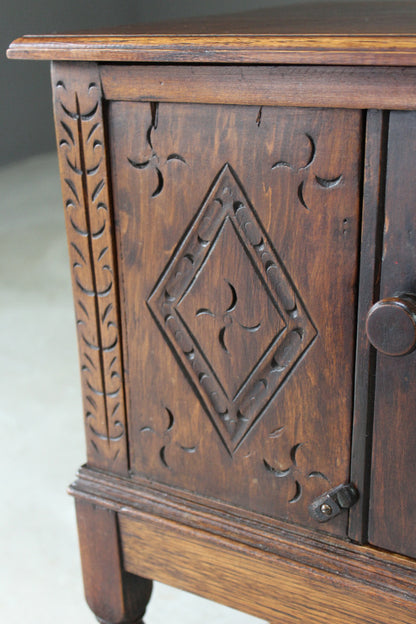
(391, 325)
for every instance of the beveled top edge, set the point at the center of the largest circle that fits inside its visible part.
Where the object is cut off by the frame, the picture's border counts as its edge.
(399, 51)
(356, 32)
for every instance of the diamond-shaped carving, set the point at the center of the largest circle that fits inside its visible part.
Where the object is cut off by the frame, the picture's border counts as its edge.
(230, 311)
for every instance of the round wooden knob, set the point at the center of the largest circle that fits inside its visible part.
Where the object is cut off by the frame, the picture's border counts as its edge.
(391, 325)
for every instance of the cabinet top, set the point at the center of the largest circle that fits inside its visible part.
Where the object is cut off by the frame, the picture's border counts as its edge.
(371, 32)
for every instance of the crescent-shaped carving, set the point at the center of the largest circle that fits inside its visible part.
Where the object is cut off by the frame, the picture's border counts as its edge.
(276, 473)
(233, 303)
(312, 154)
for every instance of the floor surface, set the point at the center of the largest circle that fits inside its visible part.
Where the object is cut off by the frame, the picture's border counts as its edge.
(41, 443)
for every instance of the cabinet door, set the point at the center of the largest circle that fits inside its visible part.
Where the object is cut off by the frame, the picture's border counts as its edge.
(393, 495)
(237, 235)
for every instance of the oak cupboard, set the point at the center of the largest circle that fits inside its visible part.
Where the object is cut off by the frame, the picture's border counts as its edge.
(239, 196)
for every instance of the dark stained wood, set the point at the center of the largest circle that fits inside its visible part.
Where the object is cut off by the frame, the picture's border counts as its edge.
(391, 325)
(114, 595)
(221, 283)
(340, 87)
(259, 583)
(335, 50)
(372, 223)
(393, 497)
(242, 331)
(293, 543)
(85, 188)
(372, 33)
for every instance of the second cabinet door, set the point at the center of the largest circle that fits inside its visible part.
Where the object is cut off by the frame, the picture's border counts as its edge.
(393, 498)
(238, 238)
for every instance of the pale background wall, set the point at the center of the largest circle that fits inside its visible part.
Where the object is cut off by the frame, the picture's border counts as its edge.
(26, 126)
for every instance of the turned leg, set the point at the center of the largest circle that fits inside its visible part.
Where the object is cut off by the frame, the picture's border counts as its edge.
(114, 595)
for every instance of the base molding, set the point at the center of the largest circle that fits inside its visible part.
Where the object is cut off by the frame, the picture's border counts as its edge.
(273, 571)
(245, 578)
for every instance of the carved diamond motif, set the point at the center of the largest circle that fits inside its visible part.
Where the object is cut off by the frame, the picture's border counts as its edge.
(230, 312)
(236, 326)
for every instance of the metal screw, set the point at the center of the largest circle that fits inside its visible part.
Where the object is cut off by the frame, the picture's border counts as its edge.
(326, 509)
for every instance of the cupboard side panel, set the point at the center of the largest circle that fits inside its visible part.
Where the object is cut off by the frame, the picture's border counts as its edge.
(281, 189)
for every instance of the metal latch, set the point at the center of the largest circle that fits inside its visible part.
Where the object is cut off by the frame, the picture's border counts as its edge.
(333, 502)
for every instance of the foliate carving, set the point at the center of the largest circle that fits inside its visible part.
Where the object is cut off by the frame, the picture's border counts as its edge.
(230, 311)
(81, 149)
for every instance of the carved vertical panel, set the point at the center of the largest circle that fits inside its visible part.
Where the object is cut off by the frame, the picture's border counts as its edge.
(81, 148)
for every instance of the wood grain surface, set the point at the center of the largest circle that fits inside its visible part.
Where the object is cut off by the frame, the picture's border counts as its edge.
(137, 498)
(335, 87)
(230, 222)
(113, 594)
(372, 224)
(85, 188)
(253, 581)
(236, 324)
(351, 33)
(393, 498)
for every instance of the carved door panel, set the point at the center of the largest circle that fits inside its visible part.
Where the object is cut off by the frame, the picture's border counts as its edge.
(237, 238)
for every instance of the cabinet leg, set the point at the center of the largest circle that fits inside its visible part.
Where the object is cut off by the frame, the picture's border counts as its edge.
(114, 595)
